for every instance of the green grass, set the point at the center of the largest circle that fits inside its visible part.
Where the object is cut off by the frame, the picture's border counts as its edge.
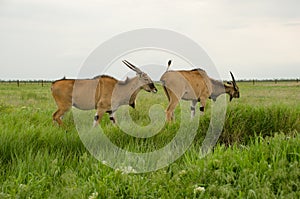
(257, 155)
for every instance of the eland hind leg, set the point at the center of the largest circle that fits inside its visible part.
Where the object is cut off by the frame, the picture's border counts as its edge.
(62, 108)
(173, 101)
(57, 116)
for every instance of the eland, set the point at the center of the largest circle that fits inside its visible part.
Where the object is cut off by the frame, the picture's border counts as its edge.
(103, 93)
(195, 86)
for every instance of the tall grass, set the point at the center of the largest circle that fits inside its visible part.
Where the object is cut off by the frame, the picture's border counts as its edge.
(244, 122)
(257, 155)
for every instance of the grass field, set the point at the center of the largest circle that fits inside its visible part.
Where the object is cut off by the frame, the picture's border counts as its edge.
(257, 155)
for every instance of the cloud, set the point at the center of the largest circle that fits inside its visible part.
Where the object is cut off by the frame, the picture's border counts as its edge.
(51, 38)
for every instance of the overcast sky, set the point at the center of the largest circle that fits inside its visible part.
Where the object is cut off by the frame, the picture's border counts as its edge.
(49, 39)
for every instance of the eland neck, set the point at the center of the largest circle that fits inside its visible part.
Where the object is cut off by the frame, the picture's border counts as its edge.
(125, 92)
(218, 88)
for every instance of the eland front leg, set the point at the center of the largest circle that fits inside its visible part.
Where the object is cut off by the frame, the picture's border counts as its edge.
(98, 117)
(203, 103)
(112, 117)
(193, 108)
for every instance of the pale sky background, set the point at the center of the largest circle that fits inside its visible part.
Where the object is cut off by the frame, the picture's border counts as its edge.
(49, 39)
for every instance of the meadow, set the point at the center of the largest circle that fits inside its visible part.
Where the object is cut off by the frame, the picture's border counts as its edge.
(256, 156)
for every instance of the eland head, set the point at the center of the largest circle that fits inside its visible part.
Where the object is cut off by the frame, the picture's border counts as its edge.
(232, 89)
(144, 80)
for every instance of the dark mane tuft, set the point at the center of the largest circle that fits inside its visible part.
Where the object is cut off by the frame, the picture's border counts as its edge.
(100, 76)
(124, 82)
(198, 69)
(63, 78)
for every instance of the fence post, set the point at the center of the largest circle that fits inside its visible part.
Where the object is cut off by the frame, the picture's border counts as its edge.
(253, 81)
(275, 81)
(42, 83)
(18, 83)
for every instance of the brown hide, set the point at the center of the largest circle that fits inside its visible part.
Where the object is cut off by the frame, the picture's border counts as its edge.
(62, 94)
(103, 93)
(194, 85)
(85, 92)
(188, 85)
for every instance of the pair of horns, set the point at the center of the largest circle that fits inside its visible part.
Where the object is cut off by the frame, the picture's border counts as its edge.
(233, 81)
(132, 67)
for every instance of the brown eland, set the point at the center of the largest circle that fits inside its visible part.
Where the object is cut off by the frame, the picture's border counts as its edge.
(103, 93)
(195, 86)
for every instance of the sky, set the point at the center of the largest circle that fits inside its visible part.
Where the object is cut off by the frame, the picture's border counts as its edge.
(49, 39)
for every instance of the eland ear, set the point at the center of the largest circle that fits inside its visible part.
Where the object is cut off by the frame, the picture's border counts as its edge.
(140, 75)
(228, 84)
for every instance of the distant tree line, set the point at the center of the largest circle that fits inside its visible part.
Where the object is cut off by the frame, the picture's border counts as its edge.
(24, 82)
(43, 82)
(271, 80)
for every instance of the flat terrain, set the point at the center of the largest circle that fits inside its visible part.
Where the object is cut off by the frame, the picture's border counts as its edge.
(257, 155)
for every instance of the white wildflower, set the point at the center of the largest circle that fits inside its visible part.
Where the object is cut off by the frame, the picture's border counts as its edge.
(94, 195)
(199, 189)
(104, 162)
(129, 169)
(117, 170)
(22, 186)
(182, 172)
